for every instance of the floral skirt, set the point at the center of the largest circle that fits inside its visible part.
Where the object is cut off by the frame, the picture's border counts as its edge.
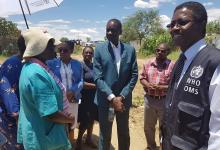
(8, 128)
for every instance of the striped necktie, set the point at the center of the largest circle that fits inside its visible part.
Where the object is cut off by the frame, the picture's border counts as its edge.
(179, 67)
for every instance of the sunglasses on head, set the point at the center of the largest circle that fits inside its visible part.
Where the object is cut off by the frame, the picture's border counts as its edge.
(63, 50)
(179, 23)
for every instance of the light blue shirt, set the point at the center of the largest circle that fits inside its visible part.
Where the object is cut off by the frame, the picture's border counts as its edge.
(190, 54)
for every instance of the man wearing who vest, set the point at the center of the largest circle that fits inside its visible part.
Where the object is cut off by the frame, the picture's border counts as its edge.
(191, 116)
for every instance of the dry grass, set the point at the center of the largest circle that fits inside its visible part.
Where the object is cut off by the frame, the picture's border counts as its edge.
(138, 93)
(2, 59)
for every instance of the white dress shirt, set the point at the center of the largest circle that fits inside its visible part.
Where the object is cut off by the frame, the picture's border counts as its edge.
(117, 54)
(214, 123)
(66, 75)
(214, 95)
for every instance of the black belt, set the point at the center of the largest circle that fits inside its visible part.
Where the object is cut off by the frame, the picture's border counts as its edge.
(157, 97)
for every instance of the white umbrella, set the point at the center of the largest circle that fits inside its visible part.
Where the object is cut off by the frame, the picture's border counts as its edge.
(13, 7)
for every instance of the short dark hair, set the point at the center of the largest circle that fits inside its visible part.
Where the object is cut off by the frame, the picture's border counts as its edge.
(118, 22)
(21, 44)
(199, 11)
(70, 43)
(87, 47)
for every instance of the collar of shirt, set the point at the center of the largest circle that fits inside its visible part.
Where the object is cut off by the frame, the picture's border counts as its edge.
(114, 46)
(190, 53)
(194, 49)
(154, 62)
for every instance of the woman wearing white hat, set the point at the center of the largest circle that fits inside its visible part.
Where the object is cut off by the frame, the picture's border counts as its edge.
(41, 120)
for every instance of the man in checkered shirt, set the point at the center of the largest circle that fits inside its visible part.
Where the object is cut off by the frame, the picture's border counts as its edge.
(155, 78)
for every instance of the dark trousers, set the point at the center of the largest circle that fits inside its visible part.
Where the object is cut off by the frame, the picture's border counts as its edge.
(122, 120)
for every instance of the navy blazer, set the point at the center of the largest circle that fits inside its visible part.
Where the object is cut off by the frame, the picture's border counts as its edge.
(77, 76)
(106, 77)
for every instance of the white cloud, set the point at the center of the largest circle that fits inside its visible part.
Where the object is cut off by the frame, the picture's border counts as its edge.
(102, 21)
(58, 34)
(66, 30)
(56, 21)
(43, 25)
(75, 31)
(150, 3)
(62, 27)
(22, 22)
(125, 17)
(164, 20)
(92, 30)
(84, 35)
(93, 33)
(165, 1)
(143, 4)
(83, 20)
(213, 14)
(208, 3)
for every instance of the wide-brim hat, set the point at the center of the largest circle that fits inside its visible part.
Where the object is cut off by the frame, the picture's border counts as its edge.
(36, 41)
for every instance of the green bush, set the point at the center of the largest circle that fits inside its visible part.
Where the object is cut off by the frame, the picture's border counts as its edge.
(10, 49)
(77, 49)
(151, 42)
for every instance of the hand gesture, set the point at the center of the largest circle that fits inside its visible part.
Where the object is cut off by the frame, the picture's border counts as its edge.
(70, 96)
(72, 117)
(118, 104)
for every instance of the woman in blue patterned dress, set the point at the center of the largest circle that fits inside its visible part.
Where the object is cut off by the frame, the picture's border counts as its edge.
(9, 96)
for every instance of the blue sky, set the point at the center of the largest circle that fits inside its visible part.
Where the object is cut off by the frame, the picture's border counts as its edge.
(87, 18)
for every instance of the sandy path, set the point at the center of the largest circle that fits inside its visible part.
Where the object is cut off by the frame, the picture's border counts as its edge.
(138, 141)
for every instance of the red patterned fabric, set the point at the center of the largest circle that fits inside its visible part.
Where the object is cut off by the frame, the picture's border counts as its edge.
(157, 76)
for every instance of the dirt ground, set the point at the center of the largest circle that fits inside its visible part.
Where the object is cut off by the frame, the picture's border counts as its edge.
(137, 137)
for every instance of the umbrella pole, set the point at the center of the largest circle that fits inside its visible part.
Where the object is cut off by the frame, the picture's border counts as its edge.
(56, 3)
(24, 15)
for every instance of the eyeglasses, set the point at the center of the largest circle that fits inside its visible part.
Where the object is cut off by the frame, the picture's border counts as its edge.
(63, 50)
(178, 23)
(111, 30)
(162, 51)
(91, 53)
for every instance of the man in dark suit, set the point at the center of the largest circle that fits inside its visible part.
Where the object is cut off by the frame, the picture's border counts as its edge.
(116, 73)
(192, 116)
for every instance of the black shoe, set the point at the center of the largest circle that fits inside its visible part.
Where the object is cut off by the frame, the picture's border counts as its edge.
(91, 144)
(78, 145)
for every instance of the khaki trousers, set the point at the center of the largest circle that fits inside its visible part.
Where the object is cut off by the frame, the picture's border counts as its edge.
(153, 110)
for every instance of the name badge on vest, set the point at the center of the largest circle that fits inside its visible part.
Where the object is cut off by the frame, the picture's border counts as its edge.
(192, 82)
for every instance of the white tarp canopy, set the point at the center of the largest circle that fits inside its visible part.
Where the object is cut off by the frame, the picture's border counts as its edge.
(12, 7)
